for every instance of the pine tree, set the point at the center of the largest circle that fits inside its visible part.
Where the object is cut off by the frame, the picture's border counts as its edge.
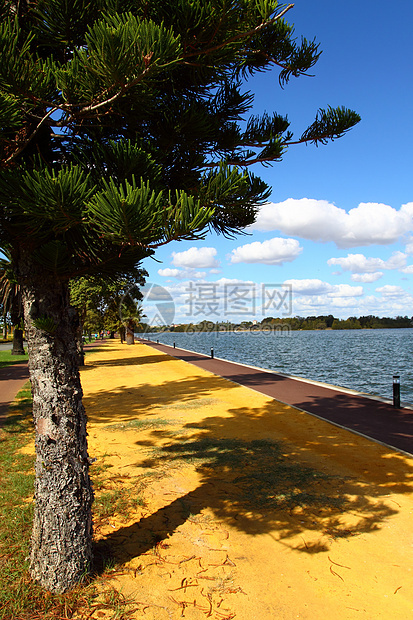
(120, 131)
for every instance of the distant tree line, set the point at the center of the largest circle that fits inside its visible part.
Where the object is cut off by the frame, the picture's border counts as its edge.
(291, 323)
(330, 322)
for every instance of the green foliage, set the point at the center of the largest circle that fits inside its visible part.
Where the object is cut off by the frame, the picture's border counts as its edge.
(298, 323)
(329, 124)
(120, 124)
(46, 324)
(11, 120)
(106, 303)
(131, 212)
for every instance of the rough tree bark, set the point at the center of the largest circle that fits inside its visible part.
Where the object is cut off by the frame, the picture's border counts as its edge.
(61, 546)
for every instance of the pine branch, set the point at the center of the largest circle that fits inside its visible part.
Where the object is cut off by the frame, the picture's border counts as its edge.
(243, 35)
(329, 124)
(86, 109)
(92, 107)
(30, 138)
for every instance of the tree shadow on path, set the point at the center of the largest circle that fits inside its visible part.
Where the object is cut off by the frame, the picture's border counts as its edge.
(125, 403)
(258, 484)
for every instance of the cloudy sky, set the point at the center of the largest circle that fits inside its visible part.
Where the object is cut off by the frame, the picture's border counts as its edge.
(337, 235)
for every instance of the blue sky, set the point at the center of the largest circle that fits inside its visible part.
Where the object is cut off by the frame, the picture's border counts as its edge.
(337, 236)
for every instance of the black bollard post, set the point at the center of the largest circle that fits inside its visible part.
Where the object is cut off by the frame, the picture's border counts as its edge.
(212, 353)
(396, 391)
(157, 341)
(174, 345)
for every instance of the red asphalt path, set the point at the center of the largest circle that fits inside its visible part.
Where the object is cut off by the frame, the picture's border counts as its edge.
(370, 417)
(12, 379)
(375, 419)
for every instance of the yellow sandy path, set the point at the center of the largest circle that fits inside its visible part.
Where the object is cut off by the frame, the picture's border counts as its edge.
(224, 540)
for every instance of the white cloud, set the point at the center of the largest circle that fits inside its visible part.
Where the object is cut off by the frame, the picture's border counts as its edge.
(318, 287)
(358, 263)
(169, 273)
(367, 278)
(400, 303)
(274, 251)
(182, 273)
(224, 281)
(318, 220)
(345, 290)
(408, 269)
(339, 306)
(196, 258)
(390, 290)
(310, 287)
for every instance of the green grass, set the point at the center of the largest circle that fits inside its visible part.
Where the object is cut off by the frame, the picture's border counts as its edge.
(112, 496)
(20, 597)
(140, 425)
(94, 350)
(7, 359)
(119, 501)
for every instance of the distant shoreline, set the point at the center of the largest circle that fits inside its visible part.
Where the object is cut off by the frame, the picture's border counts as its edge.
(256, 329)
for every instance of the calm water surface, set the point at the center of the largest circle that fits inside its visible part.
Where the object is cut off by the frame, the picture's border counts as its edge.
(363, 360)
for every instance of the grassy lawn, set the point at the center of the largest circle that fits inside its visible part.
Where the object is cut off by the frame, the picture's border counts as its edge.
(20, 598)
(7, 359)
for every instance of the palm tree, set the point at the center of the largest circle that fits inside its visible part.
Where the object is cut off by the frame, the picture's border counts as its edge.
(131, 315)
(11, 301)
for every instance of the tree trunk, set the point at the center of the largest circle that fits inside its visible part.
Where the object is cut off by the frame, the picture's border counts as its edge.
(16, 315)
(130, 332)
(61, 546)
(18, 348)
(122, 332)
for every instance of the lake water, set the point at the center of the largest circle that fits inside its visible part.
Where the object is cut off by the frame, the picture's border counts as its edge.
(362, 360)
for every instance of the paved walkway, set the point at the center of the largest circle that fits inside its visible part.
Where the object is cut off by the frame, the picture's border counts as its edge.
(370, 417)
(12, 379)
